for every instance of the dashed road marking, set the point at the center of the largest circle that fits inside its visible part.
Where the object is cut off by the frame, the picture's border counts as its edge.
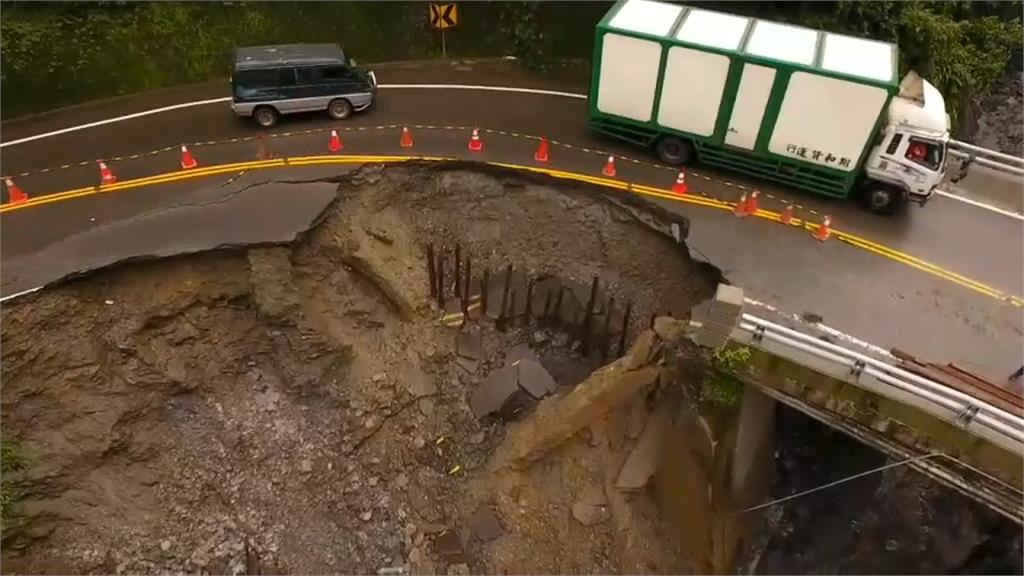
(850, 239)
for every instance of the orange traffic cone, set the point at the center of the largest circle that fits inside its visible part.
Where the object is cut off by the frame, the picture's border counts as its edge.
(609, 167)
(680, 186)
(751, 207)
(741, 207)
(786, 217)
(106, 174)
(475, 143)
(188, 161)
(334, 145)
(824, 231)
(15, 195)
(406, 137)
(541, 155)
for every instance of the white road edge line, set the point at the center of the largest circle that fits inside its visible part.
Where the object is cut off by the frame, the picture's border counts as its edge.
(977, 204)
(511, 89)
(113, 120)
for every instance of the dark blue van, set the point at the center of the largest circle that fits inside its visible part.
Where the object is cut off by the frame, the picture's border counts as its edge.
(268, 81)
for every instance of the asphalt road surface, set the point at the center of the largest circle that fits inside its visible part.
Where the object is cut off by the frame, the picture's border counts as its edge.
(886, 299)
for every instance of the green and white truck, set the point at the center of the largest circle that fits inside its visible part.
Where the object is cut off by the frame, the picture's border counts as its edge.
(818, 111)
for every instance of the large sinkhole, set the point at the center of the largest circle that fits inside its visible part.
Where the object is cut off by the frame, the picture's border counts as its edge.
(330, 406)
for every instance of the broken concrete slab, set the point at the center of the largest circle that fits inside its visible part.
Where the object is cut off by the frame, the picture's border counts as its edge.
(494, 391)
(535, 379)
(558, 419)
(520, 352)
(639, 354)
(592, 506)
(216, 218)
(418, 382)
(468, 345)
(484, 524)
(642, 462)
(670, 329)
(470, 366)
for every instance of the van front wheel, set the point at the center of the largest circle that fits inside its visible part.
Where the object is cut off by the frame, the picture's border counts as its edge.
(675, 151)
(339, 109)
(265, 117)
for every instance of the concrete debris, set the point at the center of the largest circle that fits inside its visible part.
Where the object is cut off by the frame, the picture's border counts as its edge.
(520, 352)
(592, 506)
(636, 418)
(670, 329)
(558, 419)
(461, 569)
(484, 524)
(535, 379)
(448, 546)
(495, 390)
(419, 383)
(643, 460)
(468, 345)
(470, 366)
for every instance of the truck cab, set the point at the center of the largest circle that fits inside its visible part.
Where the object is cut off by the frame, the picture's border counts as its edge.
(910, 159)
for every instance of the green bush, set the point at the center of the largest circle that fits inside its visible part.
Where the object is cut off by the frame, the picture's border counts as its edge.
(720, 387)
(58, 53)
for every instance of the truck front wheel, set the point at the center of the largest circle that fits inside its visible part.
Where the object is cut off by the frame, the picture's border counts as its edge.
(675, 151)
(880, 199)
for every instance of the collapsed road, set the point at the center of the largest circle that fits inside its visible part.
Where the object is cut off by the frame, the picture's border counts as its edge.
(301, 402)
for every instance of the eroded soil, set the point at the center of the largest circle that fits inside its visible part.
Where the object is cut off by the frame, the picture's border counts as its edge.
(301, 408)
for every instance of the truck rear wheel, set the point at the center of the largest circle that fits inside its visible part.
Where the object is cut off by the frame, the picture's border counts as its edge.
(880, 199)
(674, 151)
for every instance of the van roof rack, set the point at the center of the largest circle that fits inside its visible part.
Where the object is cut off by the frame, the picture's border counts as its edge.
(255, 57)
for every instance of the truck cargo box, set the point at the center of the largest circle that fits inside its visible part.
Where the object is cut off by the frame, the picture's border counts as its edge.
(773, 100)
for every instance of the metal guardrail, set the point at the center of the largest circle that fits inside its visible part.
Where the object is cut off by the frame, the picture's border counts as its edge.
(970, 414)
(988, 158)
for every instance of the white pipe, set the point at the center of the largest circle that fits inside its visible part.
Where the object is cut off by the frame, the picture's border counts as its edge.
(985, 151)
(1015, 435)
(939, 388)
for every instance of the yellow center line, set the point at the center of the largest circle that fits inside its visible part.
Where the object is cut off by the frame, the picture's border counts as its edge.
(664, 194)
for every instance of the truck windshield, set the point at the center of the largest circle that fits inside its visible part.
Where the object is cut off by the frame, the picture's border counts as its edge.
(927, 153)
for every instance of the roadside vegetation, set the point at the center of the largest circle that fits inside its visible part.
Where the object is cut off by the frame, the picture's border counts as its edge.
(55, 54)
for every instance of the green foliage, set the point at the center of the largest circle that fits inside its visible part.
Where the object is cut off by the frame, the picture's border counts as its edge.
(961, 47)
(529, 44)
(720, 388)
(10, 462)
(58, 53)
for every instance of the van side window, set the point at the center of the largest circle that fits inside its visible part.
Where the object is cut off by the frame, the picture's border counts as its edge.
(891, 149)
(335, 73)
(304, 75)
(255, 79)
(286, 76)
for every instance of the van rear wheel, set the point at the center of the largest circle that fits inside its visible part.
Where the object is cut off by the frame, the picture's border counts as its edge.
(675, 151)
(339, 109)
(265, 117)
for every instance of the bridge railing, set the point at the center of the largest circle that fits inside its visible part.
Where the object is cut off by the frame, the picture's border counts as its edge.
(988, 158)
(969, 413)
